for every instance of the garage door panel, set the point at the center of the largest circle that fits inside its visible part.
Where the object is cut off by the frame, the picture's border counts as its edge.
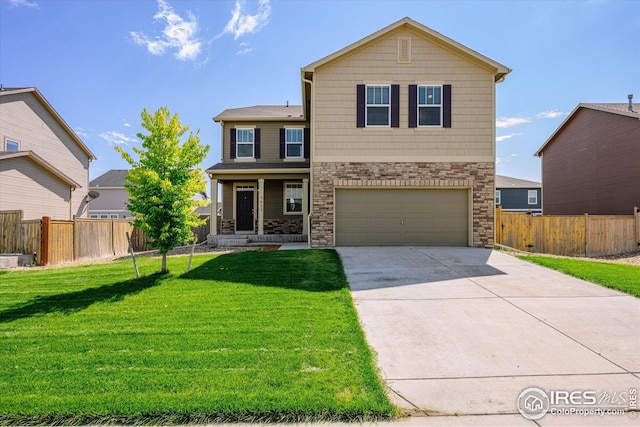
(401, 217)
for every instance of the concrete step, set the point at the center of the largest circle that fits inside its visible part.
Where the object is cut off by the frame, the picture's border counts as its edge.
(228, 243)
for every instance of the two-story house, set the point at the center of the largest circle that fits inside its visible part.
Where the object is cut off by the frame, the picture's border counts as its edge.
(394, 145)
(44, 165)
(590, 164)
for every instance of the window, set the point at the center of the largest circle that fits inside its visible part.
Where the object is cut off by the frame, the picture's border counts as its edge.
(104, 216)
(429, 105)
(533, 197)
(114, 216)
(95, 216)
(378, 106)
(244, 143)
(294, 140)
(292, 198)
(11, 145)
(498, 197)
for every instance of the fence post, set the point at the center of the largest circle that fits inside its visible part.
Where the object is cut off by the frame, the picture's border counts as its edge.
(586, 234)
(636, 216)
(498, 225)
(44, 240)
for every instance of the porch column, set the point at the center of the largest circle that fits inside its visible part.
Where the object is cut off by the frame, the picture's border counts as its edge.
(261, 206)
(213, 219)
(305, 206)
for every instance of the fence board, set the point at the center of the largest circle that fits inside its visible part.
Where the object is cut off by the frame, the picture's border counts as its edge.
(571, 235)
(61, 242)
(93, 239)
(31, 230)
(120, 243)
(610, 235)
(10, 231)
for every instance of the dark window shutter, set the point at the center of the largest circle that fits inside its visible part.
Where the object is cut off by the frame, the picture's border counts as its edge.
(256, 143)
(446, 106)
(232, 135)
(413, 106)
(282, 145)
(395, 106)
(361, 101)
(307, 143)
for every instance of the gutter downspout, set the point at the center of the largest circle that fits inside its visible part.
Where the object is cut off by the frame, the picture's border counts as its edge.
(311, 143)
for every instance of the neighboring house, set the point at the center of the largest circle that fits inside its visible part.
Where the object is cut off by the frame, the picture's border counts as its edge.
(394, 145)
(113, 197)
(44, 166)
(591, 163)
(518, 195)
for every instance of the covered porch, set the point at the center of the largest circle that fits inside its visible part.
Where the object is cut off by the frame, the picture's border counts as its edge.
(261, 202)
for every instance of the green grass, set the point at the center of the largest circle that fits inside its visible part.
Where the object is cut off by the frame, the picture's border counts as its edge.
(253, 336)
(623, 277)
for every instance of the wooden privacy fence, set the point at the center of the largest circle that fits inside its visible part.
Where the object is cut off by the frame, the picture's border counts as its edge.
(570, 235)
(56, 241)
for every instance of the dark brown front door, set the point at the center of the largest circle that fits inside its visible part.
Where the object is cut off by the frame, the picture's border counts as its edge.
(244, 210)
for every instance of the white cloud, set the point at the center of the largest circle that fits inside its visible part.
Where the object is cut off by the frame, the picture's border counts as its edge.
(550, 114)
(114, 137)
(242, 23)
(179, 34)
(503, 137)
(506, 122)
(25, 3)
(81, 132)
(127, 125)
(244, 51)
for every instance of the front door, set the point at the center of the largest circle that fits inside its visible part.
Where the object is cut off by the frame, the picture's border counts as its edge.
(244, 210)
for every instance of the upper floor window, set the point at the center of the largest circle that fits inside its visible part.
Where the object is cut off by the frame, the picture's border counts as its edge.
(244, 143)
(533, 197)
(378, 106)
(498, 197)
(294, 141)
(11, 145)
(429, 105)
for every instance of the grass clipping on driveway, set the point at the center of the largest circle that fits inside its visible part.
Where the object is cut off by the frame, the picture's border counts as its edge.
(252, 336)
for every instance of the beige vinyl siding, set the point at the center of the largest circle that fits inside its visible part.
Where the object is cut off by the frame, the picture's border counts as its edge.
(269, 139)
(26, 186)
(25, 119)
(337, 138)
(227, 200)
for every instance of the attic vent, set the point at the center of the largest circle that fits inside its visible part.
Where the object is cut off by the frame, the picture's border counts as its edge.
(404, 50)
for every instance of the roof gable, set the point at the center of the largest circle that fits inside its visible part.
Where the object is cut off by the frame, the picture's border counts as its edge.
(621, 109)
(36, 93)
(262, 113)
(42, 163)
(499, 70)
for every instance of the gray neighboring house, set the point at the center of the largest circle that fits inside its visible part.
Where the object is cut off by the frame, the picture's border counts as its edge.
(518, 195)
(44, 165)
(111, 204)
(113, 195)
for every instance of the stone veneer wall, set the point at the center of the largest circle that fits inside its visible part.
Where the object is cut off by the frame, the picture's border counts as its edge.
(228, 226)
(271, 226)
(479, 176)
(282, 226)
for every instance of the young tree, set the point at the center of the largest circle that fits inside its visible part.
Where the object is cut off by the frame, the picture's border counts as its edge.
(163, 181)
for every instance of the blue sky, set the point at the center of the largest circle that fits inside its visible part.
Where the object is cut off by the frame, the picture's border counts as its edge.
(100, 62)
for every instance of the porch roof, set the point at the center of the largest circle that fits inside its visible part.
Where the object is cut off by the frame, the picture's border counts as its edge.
(252, 167)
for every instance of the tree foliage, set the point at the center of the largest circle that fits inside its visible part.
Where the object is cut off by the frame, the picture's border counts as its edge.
(164, 180)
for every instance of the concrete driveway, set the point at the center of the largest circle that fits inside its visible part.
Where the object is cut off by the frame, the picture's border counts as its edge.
(466, 330)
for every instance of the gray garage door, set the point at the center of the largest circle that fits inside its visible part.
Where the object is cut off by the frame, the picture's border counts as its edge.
(402, 217)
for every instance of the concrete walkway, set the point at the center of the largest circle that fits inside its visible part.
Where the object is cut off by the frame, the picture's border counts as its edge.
(463, 331)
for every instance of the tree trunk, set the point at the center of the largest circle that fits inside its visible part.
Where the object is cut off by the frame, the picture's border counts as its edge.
(164, 263)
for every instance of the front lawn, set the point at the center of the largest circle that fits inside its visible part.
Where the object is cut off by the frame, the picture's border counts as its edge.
(252, 336)
(623, 277)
